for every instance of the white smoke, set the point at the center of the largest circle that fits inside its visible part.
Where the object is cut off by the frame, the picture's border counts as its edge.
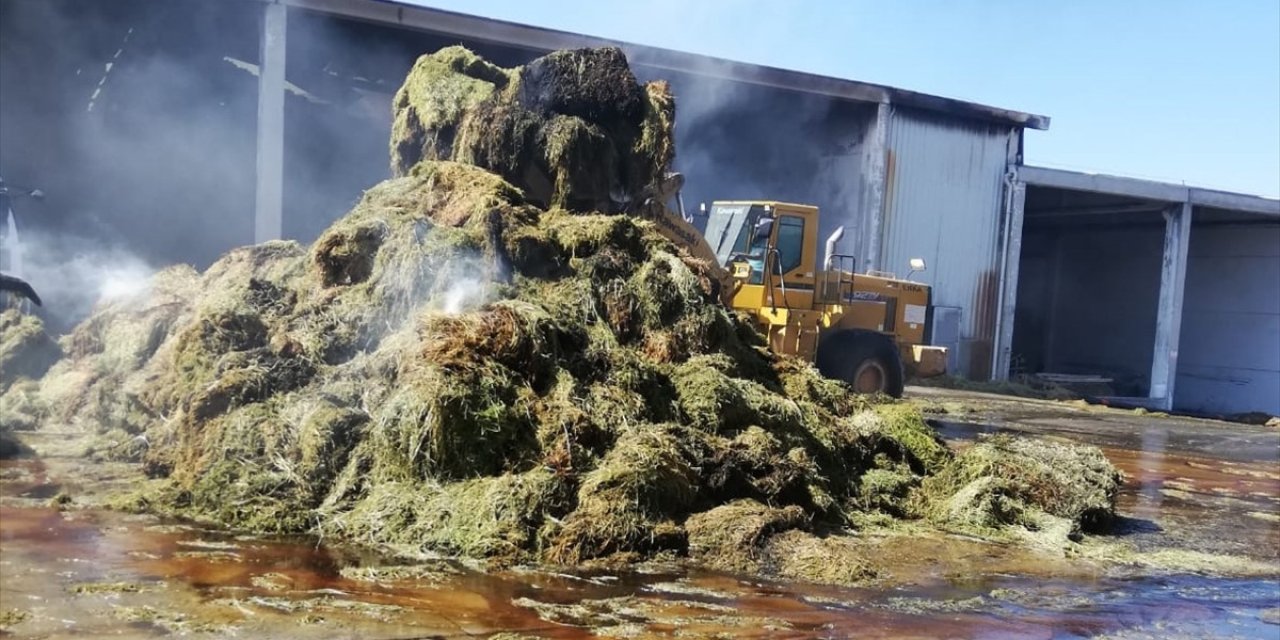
(74, 274)
(466, 282)
(129, 279)
(463, 295)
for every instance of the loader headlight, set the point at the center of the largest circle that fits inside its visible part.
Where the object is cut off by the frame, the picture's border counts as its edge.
(917, 265)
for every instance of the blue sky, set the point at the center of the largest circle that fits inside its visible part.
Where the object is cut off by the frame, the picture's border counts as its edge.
(1176, 90)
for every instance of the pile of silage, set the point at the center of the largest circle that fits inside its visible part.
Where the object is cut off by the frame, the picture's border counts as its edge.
(26, 350)
(26, 353)
(454, 367)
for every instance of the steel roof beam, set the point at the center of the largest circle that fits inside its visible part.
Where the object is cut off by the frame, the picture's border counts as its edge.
(538, 39)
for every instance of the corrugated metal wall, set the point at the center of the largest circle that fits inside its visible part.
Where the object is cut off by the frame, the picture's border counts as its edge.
(943, 202)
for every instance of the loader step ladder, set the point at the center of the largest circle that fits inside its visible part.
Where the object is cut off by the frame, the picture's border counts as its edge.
(836, 285)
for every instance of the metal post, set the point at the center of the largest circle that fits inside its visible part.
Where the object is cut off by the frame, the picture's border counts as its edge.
(874, 180)
(1011, 256)
(1173, 273)
(268, 216)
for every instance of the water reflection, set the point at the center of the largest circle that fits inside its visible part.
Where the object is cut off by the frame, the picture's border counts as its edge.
(162, 578)
(1148, 475)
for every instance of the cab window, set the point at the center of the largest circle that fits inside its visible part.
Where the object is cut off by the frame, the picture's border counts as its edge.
(790, 242)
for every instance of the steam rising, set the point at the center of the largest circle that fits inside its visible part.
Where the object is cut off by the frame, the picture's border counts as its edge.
(127, 280)
(464, 295)
(72, 274)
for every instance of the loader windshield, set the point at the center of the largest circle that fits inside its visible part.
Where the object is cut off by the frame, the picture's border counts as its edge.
(730, 231)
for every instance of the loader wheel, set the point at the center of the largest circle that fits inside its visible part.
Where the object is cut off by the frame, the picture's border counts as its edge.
(866, 360)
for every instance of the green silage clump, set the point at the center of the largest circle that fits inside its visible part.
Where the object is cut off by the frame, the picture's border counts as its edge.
(654, 142)
(124, 334)
(822, 559)
(324, 433)
(709, 398)
(117, 445)
(757, 464)
(668, 290)
(430, 106)
(732, 536)
(575, 151)
(454, 424)
(745, 536)
(572, 129)
(263, 467)
(26, 351)
(20, 406)
(1005, 481)
(238, 299)
(887, 490)
(800, 379)
(562, 243)
(633, 499)
(506, 517)
(675, 316)
(226, 473)
(904, 425)
(456, 194)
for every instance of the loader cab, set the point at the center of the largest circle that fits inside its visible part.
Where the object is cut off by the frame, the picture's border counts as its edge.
(766, 244)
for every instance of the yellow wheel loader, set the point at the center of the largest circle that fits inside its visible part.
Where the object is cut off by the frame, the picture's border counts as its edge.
(869, 330)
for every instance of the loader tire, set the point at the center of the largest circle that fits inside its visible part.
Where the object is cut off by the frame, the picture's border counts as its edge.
(867, 361)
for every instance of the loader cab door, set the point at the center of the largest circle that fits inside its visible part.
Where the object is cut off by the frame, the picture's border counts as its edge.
(787, 291)
(792, 256)
(770, 247)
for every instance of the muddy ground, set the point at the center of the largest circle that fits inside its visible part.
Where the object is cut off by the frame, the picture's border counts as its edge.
(1195, 554)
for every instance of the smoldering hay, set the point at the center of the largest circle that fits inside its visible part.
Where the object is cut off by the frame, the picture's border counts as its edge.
(489, 357)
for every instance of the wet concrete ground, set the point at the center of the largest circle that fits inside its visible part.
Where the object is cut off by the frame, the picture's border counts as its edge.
(1197, 554)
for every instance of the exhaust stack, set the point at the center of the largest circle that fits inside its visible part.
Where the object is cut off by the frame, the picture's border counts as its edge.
(831, 246)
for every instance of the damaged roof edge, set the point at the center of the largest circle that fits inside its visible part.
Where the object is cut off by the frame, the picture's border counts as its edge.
(500, 32)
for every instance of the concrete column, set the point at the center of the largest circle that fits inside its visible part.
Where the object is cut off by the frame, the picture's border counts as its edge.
(268, 218)
(1055, 286)
(874, 178)
(1173, 274)
(1011, 255)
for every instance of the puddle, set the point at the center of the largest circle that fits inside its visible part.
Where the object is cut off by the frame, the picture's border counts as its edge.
(84, 574)
(80, 573)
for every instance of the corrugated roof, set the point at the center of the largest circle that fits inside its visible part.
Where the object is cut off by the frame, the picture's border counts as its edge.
(500, 32)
